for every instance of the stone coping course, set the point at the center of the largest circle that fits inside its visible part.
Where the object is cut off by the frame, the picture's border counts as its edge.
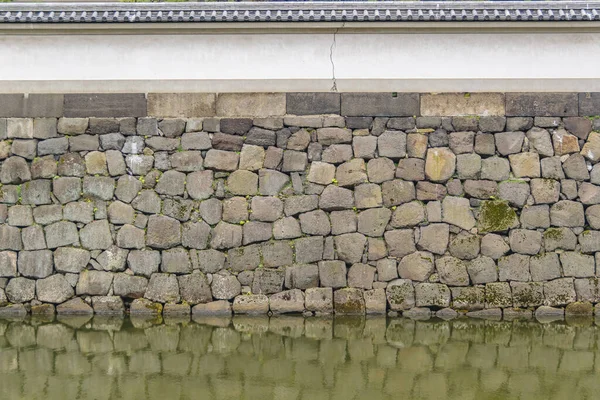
(390, 104)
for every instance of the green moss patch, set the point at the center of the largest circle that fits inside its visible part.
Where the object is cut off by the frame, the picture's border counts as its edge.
(496, 216)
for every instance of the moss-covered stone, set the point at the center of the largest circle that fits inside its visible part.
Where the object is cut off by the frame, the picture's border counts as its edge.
(579, 308)
(496, 216)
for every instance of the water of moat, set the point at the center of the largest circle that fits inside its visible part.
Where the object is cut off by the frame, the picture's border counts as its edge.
(295, 358)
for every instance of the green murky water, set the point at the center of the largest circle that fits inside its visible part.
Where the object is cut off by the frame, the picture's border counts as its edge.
(295, 358)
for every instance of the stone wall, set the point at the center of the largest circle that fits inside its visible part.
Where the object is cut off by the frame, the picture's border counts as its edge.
(300, 202)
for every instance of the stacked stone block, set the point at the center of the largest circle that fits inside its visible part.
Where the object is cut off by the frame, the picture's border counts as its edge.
(312, 202)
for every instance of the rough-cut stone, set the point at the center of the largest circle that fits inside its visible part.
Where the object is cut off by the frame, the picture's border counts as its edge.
(559, 292)
(516, 192)
(128, 286)
(567, 213)
(440, 164)
(592, 215)
(70, 259)
(465, 246)
(361, 276)
(525, 241)
(514, 267)
(54, 289)
(163, 288)
(213, 308)
(468, 298)
(94, 283)
(577, 265)
(417, 266)
(432, 295)
(452, 271)
(315, 223)
(545, 267)
(289, 301)
(456, 211)
(60, 234)
(482, 270)
(113, 259)
(319, 300)
(509, 142)
(350, 247)
(336, 198)
(525, 165)
(96, 236)
(434, 238)
(564, 142)
(349, 301)
(397, 192)
(163, 232)
(194, 288)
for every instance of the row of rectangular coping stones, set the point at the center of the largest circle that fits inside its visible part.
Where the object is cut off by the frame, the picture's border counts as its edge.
(388, 104)
(401, 298)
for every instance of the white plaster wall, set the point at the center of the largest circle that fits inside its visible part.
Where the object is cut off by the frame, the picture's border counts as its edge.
(419, 61)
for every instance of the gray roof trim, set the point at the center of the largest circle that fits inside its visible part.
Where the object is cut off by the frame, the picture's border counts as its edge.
(392, 11)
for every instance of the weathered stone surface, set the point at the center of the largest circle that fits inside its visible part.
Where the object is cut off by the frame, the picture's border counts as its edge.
(94, 283)
(213, 308)
(74, 306)
(482, 270)
(465, 246)
(319, 300)
(194, 288)
(525, 165)
(451, 104)
(60, 234)
(96, 236)
(434, 238)
(564, 142)
(289, 301)
(545, 267)
(8, 264)
(20, 290)
(541, 104)
(539, 141)
(514, 267)
(559, 292)
(268, 281)
(128, 286)
(349, 301)
(113, 259)
(567, 213)
(495, 168)
(335, 198)
(525, 241)
(440, 164)
(432, 295)
(456, 211)
(577, 265)
(176, 261)
(361, 276)
(516, 192)
(468, 298)
(350, 247)
(417, 266)
(54, 289)
(163, 288)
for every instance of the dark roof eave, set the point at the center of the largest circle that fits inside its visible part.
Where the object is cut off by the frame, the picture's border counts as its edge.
(300, 12)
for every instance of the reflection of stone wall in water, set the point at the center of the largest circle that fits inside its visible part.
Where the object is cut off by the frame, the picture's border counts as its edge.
(291, 357)
(299, 203)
